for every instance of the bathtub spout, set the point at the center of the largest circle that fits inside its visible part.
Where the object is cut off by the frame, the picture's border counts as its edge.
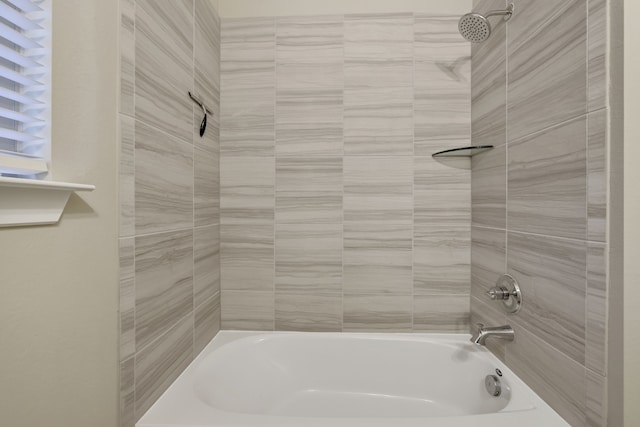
(482, 333)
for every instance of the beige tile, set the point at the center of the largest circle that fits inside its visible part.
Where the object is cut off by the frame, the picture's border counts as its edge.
(547, 71)
(378, 121)
(247, 190)
(597, 54)
(308, 258)
(489, 188)
(127, 56)
(206, 252)
(489, 82)
(164, 283)
(377, 313)
(160, 363)
(437, 36)
(488, 259)
(206, 322)
(248, 310)
(164, 65)
(545, 266)
(378, 50)
(597, 302)
(127, 394)
(127, 176)
(247, 257)
(596, 400)
(597, 176)
(306, 312)
(441, 313)
(163, 182)
(248, 85)
(378, 189)
(309, 175)
(547, 182)
(441, 259)
(207, 74)
(559, 380)
(377, 259)
(441, 193)
(127, 298)
(489, 313)
(442, 105)
(318, 207)
(206, 201)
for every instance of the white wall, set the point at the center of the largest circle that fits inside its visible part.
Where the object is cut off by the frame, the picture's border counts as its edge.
(58, 284)
(632, 214)
(246, 8)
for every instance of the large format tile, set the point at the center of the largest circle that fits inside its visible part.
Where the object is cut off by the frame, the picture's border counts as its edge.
(530, 18)
(247, 259)
(437, 36)
(551, 273)
(206, 253)
(597, 54)
(127, 176)
(164, 65)
(441, 313)
(207, 74)
(597, 176)
(559, 380)
(378, 189)
(597, 302)
(488, 259)
(309, 174)
(377, 259)
(127, 394)
(318, 207)
(596, 400)
(164, 283)
(127, 298)
(127, 56)
(378, 50)
(206, 322)
(377, 313)
(378, 121)
(309, 258)
(247, 190)
(489, 82)
(310, 82)
(441, 259)
(253, 311)
(489, 188)
(547, 182)
(163, 181)
(547, 72)
(311, 313)
(206, 203)
(160, 363)
(441, 193)
(248, 84)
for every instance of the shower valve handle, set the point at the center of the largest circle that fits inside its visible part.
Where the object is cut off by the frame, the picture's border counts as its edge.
(499, 293)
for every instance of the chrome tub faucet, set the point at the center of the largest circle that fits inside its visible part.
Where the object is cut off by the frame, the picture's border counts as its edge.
(482, 333)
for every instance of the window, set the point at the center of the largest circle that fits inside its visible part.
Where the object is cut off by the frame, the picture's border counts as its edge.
(25, 82)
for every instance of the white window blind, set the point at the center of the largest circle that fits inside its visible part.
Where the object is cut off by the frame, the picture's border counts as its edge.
(25, 48)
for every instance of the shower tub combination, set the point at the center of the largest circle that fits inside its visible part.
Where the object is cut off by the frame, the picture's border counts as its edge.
(287, 379)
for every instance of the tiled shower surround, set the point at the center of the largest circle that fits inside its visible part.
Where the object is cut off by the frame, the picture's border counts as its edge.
(539, 199)
(169, 195)
(334, 216)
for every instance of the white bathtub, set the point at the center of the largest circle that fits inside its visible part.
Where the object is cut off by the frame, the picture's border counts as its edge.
(345, 380)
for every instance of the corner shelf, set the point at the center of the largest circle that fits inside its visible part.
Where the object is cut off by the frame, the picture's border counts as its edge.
(463, 151)
(34, 202)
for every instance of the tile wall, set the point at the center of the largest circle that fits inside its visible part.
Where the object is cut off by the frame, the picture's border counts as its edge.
(169, 194)
(334, 216)
(539, 199)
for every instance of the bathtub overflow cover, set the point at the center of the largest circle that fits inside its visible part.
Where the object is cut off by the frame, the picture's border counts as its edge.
(493, 386)
(499, 372)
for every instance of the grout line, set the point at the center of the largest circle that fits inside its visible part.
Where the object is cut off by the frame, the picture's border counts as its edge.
(526, 233)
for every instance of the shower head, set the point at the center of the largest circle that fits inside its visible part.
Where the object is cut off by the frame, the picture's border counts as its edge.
(476, 28)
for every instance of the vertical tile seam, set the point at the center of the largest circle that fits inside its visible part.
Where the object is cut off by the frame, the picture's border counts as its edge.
(343, 44)
(193, 193)
(274, 24)
(135, 344)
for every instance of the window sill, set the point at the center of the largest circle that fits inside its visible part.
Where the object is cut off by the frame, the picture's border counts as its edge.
(34, 202)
